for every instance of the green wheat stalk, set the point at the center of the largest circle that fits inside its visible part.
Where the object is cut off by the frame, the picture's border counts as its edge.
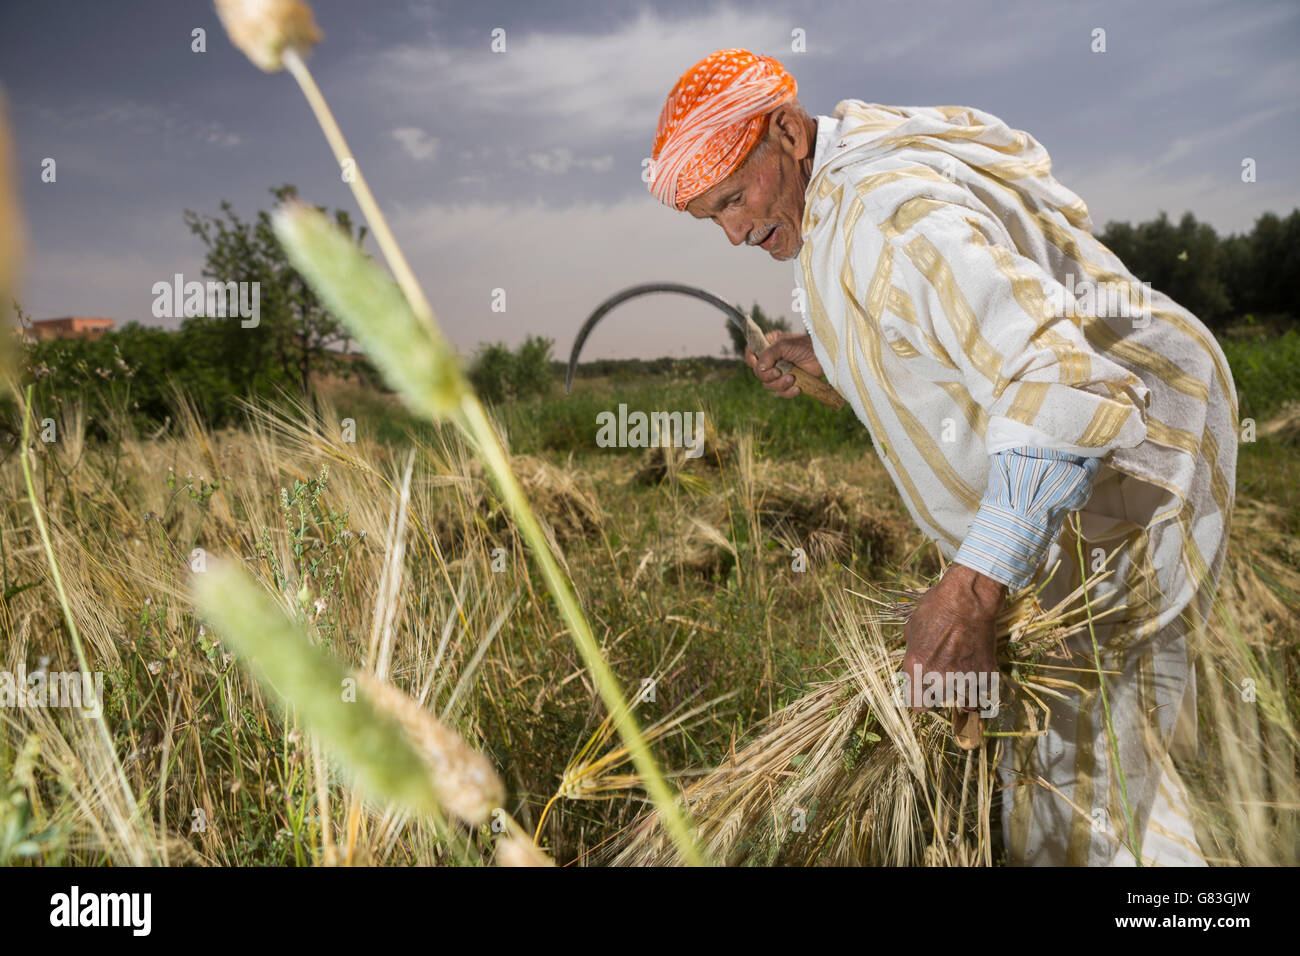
(1105, 703)
(396, 327)
(419, 363)
(362, 731)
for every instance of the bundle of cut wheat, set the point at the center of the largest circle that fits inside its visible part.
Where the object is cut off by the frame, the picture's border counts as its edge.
(846, 776)
(666, 462)
(829, 522)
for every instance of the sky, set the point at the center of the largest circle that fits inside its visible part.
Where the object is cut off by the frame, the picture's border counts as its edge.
(521, 170)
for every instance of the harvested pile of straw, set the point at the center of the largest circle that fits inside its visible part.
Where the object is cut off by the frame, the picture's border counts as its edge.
(660, 463)
(845, 776)
(569, 507)
(830, 522)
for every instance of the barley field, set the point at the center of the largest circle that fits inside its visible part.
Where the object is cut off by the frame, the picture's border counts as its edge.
(380, 535)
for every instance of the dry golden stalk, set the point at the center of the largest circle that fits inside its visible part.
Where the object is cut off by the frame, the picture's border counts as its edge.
(593, 775)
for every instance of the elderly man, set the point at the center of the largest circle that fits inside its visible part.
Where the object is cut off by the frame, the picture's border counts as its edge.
(1042, 413)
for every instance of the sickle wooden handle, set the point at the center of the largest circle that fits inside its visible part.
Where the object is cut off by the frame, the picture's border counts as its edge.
(967, 729)
(808, 384)
(814, 387)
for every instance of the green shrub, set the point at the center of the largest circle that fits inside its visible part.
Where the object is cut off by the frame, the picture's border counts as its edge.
(125, 375)
(500, 375)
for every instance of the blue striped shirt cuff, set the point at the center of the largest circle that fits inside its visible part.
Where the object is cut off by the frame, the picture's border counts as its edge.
(1030, 491)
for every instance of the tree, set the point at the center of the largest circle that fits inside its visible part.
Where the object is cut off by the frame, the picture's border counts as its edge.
(1186, 262)
(765, 323)
(1272, 263)
(295, 335)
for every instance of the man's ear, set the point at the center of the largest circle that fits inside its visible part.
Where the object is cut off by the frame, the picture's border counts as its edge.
(791, 133)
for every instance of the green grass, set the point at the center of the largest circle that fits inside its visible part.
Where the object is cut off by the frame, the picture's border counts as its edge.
(1266, 372)
(558, 424)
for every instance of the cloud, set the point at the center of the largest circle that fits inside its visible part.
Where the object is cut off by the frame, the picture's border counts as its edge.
(141, 120)
(1203, 138)
(1126, 191)
(560, 160)
(1217, 50)
(418, 144)
(578, 85)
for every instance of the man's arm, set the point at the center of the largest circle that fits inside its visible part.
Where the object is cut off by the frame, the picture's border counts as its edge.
(1029, 493)
(1030, 490)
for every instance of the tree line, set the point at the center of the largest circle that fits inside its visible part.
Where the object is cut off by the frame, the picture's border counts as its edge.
(1220, 279)
(1224, 280)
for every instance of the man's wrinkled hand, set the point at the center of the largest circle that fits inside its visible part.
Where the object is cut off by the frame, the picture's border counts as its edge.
(796, 349)
(952, 631)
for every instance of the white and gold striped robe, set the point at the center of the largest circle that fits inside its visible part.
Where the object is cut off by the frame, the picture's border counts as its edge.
(937, 252)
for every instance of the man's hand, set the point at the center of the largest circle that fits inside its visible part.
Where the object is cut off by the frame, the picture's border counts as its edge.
(952, 631)
(791, 347)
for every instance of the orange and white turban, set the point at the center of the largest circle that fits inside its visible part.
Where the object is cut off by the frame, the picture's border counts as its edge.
(715, 115)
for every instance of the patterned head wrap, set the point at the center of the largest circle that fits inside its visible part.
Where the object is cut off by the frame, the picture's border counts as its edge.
(715, 115)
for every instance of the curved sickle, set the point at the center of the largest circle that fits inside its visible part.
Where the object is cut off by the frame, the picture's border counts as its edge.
(734, 315)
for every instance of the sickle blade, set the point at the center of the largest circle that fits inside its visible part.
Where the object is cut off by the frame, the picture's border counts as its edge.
(733, 315)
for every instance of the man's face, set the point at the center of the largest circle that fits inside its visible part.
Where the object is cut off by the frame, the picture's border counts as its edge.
(761, 203)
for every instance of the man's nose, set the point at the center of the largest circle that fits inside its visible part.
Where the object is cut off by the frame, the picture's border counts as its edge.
(735, 231)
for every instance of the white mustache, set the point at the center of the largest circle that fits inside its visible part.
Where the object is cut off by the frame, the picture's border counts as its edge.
(758, 236)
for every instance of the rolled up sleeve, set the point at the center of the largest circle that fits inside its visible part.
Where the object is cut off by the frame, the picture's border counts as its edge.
(1030, 491)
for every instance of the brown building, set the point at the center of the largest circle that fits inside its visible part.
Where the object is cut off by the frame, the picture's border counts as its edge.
(72, 327)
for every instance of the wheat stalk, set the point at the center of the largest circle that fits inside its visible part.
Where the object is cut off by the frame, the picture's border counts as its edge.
(396, 326)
